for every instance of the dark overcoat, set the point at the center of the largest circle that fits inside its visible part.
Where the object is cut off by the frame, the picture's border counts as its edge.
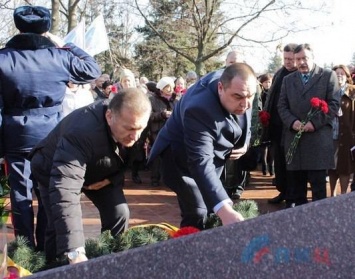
(315, 149)
(157, 118)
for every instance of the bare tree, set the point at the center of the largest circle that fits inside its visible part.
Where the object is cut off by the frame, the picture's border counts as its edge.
(201, 22)
(4, 4)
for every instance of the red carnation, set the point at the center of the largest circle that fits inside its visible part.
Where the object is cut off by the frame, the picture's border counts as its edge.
(185, 231)
(264, 117)
(114, 89)
(324, 106)
(178, 89)
(317, 106)
(316, 102)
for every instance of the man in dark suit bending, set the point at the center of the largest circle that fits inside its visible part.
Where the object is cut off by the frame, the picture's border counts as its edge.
(210, 124)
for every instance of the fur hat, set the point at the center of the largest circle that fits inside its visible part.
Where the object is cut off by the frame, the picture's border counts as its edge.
(32, 19)
(164, 81)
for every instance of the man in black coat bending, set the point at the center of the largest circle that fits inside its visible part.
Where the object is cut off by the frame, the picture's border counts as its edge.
(86, 153)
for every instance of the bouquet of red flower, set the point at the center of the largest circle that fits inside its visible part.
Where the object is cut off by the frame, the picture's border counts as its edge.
(180, 90)
(185, 231)
(317, 106)
(264, 119)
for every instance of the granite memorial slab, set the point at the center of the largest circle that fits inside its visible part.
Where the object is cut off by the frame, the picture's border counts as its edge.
(316, 240)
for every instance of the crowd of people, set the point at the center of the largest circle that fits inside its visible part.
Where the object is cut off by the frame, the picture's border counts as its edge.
(80, 131)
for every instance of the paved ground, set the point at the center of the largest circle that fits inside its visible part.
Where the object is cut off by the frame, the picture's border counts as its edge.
(158, 204)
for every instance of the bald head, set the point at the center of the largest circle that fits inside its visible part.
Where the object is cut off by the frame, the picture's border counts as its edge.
(243, 70)
(132, 98)
(233, 57)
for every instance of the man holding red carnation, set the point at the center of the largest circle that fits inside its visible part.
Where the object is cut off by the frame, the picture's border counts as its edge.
(314, 153)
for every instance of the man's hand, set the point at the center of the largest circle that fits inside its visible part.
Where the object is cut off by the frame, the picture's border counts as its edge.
(308, 127)
(98, 185)
(228, 215)
(167, 113)
(237, 153)
(79, 259)
(297, 125)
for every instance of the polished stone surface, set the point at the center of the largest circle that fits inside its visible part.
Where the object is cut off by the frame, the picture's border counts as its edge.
(315, 240)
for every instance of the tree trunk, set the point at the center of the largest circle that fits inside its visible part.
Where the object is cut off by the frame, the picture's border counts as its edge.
(72, 20)
(55, 17)
(198, 67)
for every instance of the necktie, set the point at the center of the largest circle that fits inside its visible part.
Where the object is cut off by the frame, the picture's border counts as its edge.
(305, 78)
(240, 120)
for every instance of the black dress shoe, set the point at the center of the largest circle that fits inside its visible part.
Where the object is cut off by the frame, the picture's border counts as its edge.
(235, 196)
(276, 200)
(136, 179)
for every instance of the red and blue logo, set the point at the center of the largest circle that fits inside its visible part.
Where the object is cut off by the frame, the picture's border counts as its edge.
(259, 248)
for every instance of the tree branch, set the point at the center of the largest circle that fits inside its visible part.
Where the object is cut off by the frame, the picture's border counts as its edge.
(229, 41)
(190, 58)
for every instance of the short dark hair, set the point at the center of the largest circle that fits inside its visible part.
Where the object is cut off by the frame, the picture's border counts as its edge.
(106, 84)
(265, 77)
(237, 69)
(290, 47)
(132, 98)
(152, 87)
(301, 47)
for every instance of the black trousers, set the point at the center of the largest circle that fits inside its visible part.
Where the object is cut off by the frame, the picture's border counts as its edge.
(280, 167)
(297, 187)
(267, 159)
(155, 170)
(177, 178)
(234, 179)
(113, 210)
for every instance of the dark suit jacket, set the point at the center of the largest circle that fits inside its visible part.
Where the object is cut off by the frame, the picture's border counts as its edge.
(274, 132)
(201, 135)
